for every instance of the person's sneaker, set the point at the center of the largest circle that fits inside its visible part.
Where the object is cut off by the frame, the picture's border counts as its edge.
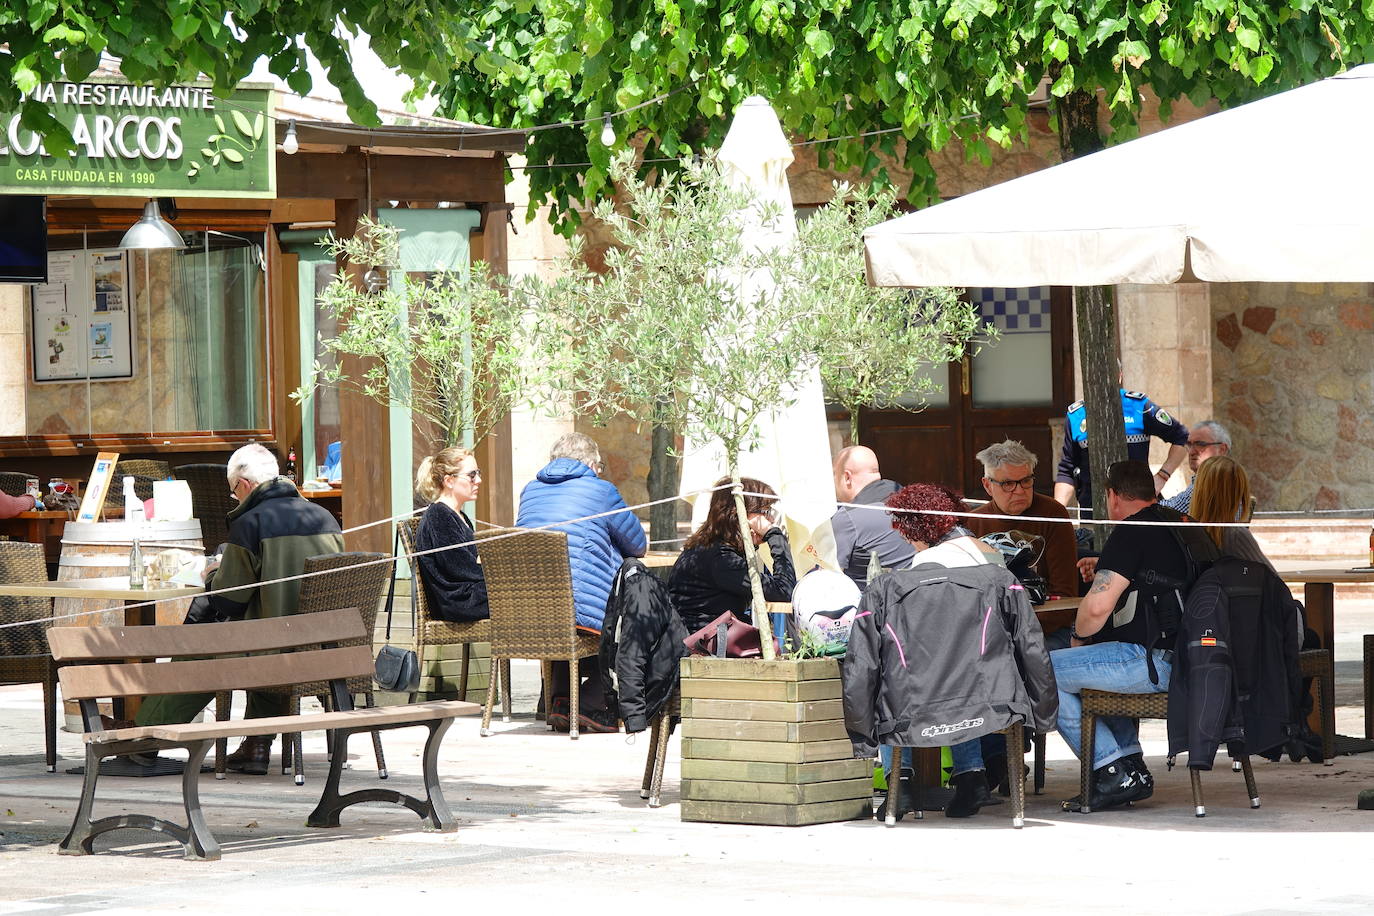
(558, 715)
(1112, 785)
(1136, 764)
(110, 723)
(598, 721)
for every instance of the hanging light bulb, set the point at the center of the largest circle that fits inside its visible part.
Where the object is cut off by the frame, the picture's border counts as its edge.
(607, 131)
(373, 280)
(289, 143)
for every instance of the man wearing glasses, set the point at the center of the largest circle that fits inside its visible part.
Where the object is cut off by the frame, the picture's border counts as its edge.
(1009, 479)
(1206, 440)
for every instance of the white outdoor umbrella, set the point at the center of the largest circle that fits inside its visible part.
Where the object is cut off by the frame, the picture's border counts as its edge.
(1277, 190)
(793, 450)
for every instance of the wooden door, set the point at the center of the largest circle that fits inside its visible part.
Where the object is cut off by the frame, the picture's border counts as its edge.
(1011, 389)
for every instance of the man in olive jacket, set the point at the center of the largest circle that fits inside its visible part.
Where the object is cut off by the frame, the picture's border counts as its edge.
(271, 534)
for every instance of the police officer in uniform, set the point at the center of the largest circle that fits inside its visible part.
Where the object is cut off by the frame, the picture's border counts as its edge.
(1143, 420)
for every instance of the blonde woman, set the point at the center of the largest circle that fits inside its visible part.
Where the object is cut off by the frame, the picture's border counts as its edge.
(452, 578)
(1221, 493)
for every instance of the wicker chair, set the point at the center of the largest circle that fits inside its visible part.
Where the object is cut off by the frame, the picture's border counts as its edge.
(660, 731)
(24, 655)
(151, 468)
(529, 586)
(1138, 706)
(1016, 775)
(210, 501)
(1317, 664)
(13, 482)
(432, 632)
(346, 583)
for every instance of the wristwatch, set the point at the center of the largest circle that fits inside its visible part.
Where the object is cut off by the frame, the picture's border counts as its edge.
(1073, 632)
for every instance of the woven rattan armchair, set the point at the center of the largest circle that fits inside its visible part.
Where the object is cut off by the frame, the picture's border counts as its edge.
(348, 580)
(432, 632)
(13, 482)
(529, 587)
(660, 732)
(1138, 706)
(210, 501)
(24, 655)
(151, 468)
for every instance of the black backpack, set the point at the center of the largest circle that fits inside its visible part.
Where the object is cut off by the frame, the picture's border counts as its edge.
(1166, 595)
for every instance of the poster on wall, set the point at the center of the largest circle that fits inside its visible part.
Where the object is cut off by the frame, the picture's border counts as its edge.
(82, 322)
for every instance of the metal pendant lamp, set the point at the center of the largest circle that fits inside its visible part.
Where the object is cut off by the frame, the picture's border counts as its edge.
(152, 232)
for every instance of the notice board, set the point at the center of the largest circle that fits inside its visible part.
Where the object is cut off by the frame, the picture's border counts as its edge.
(83, 318)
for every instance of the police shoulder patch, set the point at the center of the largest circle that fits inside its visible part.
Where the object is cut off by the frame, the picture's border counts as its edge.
(1076, 405)
(1163, 417)
(1138, 395)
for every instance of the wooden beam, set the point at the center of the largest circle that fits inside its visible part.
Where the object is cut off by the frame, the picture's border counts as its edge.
(363, 427)
(459, 179)
(496, 499)
(283, 306)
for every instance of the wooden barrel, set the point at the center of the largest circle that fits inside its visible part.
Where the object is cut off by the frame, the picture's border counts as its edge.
(94, 550)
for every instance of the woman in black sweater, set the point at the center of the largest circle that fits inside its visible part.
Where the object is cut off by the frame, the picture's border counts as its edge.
(452, 578)
(712, 575)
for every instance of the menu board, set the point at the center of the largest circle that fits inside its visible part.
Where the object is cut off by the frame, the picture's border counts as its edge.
(102, 472)
(82, 318)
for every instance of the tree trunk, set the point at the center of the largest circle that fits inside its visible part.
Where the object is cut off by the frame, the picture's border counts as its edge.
(1101, 381)
(751, 556)
(1096, 318)
(665, 474)
(854, 425)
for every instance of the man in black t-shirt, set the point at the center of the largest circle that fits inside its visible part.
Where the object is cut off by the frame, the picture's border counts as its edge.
(1116, 638)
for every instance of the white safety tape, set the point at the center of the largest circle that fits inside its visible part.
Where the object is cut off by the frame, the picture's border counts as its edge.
(387, 559)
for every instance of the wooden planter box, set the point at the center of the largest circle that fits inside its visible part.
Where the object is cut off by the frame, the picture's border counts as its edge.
(765, 743)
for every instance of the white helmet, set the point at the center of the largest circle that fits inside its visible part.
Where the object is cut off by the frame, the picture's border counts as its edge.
(825, 603)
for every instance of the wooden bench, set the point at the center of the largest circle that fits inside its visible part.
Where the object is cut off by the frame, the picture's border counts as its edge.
(95, 667)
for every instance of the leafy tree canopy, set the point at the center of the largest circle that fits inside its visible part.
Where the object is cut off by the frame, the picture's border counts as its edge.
(181, 40)
(932, 70)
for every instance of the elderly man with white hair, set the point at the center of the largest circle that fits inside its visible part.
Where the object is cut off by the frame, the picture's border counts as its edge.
(271, 533)
(1206, 440)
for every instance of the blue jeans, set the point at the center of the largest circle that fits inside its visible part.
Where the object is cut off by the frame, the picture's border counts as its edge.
(966, 756)
(1116, 666)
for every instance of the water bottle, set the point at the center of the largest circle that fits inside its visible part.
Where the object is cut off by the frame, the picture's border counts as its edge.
(290, 473)
(133, 506)
(135, 564)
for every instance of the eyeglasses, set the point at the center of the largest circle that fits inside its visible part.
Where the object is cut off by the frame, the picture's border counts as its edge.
(474, 474)
(1011, 486)
(1199, 446)
(234, 490)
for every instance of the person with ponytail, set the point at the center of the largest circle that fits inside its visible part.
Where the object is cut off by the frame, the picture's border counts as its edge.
(452, 579)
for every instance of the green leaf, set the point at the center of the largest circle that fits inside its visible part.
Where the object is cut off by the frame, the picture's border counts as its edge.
(185, 27)
(1170, 49)
(241, 122)
(1150, 12)
(1106, 28)
(232, 155)
(207, 153)
(258, 124)
(820, 42)
(1263, 66)
(1248, 38)
(1057, 48)
(1065, 84)
(219, 122)
(25, 78)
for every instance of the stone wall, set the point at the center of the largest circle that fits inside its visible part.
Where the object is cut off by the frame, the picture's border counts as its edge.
(1294, 381)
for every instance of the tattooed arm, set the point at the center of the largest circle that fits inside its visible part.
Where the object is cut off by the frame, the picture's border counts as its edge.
(1099, 603)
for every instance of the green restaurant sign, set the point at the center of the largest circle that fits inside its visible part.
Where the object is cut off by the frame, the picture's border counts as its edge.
(141, 141)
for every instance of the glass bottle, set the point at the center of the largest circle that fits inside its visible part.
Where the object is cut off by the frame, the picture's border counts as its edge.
(290, 473)
(133, 506)
(136, 565)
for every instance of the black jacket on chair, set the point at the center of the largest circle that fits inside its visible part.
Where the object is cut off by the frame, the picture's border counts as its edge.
(1235, 674)
(642, 640)
(939, 655)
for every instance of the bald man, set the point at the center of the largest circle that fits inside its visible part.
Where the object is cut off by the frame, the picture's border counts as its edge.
(859, 532)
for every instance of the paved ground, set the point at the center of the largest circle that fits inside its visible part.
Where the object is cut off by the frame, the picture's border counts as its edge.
(546, 819)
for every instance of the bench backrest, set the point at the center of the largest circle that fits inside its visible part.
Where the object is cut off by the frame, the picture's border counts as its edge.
(203, 672)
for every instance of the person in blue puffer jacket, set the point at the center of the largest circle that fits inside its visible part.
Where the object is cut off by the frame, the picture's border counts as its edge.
(566, 488)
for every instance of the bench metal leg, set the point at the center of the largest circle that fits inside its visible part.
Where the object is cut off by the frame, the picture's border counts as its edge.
(195, 837)
(370, 701)
(50, 719)
(223, 705)
(433, 809)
